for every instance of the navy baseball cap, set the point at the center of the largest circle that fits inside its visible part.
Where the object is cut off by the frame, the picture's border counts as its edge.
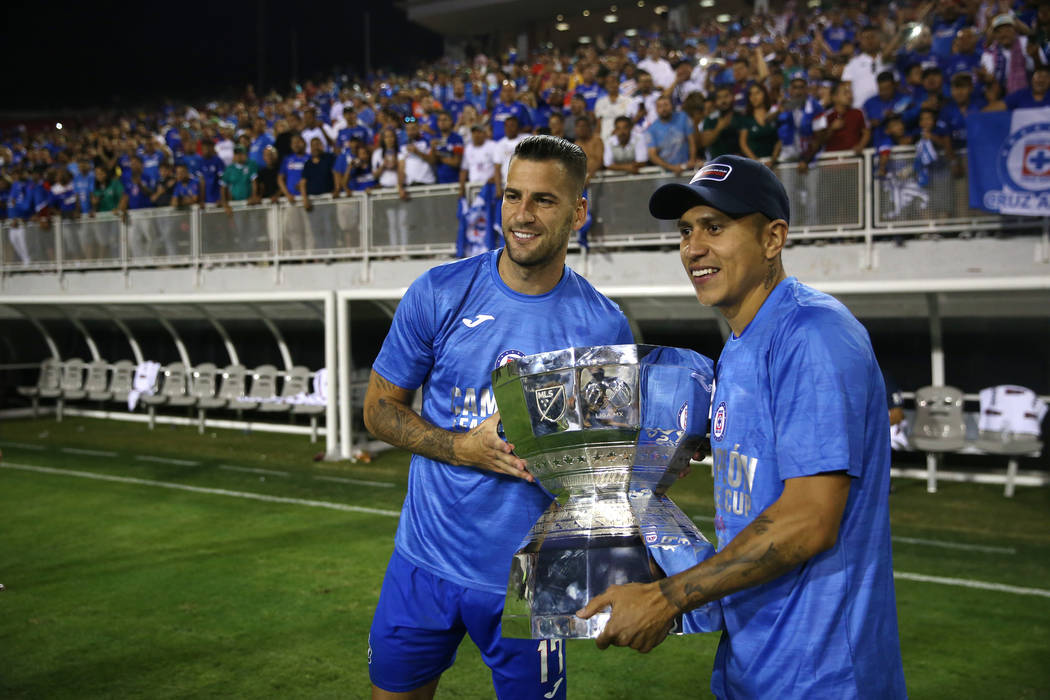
(734, 185)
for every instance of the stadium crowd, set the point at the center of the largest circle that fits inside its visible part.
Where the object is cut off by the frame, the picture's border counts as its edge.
(779, 87)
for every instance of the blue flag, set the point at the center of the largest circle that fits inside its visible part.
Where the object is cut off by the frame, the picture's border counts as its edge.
(1009, 164)
(479, 223)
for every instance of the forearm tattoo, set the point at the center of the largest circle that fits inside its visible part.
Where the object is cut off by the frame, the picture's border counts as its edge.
(396, 423)
(752, 558)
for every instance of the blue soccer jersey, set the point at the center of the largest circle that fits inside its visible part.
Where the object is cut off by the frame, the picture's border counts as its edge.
(292, 169)
(800, 393)
(455, 325)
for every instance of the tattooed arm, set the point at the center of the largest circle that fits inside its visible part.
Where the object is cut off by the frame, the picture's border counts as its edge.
(802, 523)
(389, 416)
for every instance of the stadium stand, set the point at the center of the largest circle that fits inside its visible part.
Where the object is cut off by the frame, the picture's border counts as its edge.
(213, 190)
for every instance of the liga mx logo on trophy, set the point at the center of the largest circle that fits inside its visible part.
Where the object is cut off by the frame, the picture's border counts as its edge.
(607, 431)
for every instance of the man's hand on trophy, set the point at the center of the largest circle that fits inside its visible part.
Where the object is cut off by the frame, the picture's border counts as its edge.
(483, 448)
(641, 616)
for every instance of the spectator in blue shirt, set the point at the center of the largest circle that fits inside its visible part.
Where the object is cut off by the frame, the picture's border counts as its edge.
(447, 146)
(353, 131)
(590, 89)
(963, 103)
(836, 33)
(964, 58)
(151, 158)
(945, 28)
(138, 194)
(507, 107)
(1036, 95)
(458, 100)
(190, 158)
(260, 139)
(187, 189)
(211, 169)
(292, 169)
(138, 187)
(885, 102)
(671, 139)
(84, 184)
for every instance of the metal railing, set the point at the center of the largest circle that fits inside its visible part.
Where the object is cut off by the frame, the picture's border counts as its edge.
(841, 197)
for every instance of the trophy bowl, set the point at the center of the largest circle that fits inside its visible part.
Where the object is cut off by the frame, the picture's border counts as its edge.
(606, 430)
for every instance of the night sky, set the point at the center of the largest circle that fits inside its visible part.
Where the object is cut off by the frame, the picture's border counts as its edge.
(78, 55)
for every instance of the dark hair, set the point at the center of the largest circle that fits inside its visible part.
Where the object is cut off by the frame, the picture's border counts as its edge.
(545, 147)
(967, 79)
(885, 76)
(766, 103)
(622, 118)
(931, 71)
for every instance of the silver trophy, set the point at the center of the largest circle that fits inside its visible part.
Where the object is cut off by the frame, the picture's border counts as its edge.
(606, 430)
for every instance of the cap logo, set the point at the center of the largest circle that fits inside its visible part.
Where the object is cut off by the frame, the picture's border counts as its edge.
(716, 171)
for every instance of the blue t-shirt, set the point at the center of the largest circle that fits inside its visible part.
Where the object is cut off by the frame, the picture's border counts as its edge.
(670, 138)
(456, 324)
(292, 169)
(84, 186)
(455, 107)
(500, 113)
(835, 37)
(258, 147)
(944, 33)
(960, 63)
(356, 132)
(65, 200)
(954, 119)
(189, 189)
(445, 146)
(876, 108)
(211, 170)
(193, 163)
(590, 93)
(19, 200)
(1025, 99)
(139, 194)
(800, 393)
(151, 163)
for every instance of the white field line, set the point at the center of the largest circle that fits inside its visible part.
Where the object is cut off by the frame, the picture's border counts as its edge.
(956, 545)
(251, 470)
(703, 518)
(91, 453)
(167, 460)
(23, 445)
(968, 583)
(199, 489)
(965, 583)
(358, 482)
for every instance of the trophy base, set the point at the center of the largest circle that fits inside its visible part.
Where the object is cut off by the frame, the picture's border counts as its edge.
(555, 626)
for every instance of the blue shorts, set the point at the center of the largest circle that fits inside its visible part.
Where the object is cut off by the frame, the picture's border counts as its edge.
(420, 621)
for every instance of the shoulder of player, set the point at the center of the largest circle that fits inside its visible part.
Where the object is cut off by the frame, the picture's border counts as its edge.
(584, 288)
(453, 274)
(811, 316)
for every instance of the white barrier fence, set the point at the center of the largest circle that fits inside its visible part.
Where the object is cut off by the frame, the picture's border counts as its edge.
(841, 197)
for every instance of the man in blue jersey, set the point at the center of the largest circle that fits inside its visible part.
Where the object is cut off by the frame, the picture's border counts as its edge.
(470, 500)
(508, 106)
(799, 429)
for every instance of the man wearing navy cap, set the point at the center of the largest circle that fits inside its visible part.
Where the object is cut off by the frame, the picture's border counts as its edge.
(801, 466)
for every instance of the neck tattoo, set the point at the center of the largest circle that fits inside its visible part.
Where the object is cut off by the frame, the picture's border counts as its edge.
(771, 275)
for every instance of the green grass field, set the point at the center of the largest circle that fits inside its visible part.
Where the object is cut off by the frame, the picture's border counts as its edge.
(120, 588)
